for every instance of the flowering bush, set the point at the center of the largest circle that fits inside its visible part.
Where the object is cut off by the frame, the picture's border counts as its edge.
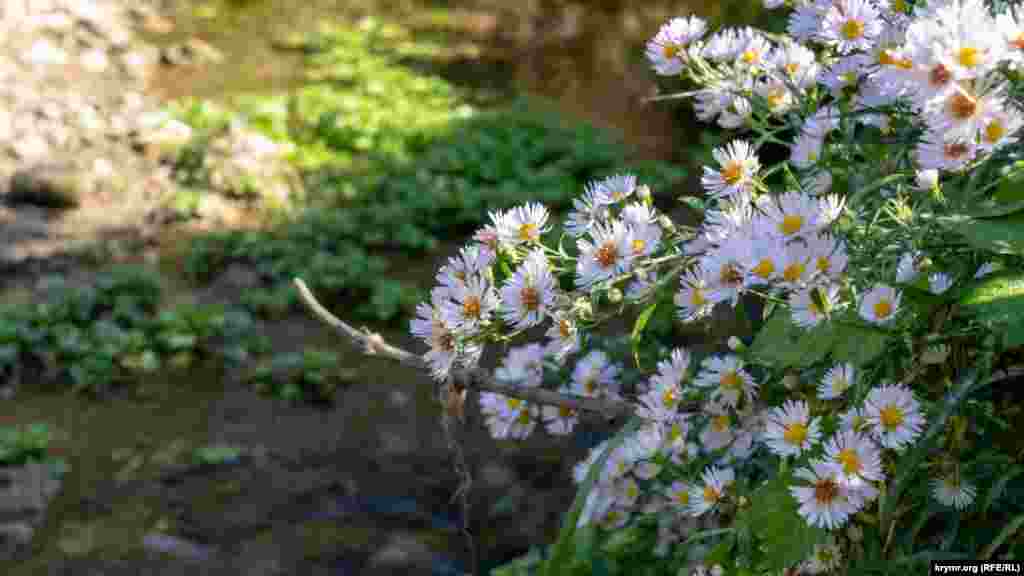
(860, 428)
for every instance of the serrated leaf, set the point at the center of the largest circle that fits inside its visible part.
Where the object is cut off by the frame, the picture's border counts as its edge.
(1003, 235)
(783, 343)
(858, 345)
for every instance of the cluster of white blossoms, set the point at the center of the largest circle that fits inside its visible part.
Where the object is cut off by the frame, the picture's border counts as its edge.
(846, 63)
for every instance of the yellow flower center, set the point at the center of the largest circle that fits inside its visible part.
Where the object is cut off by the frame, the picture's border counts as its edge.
(825, 491)
(891, 417)
(638, 245)
(564, 328)
(794, 272)
(732, 172)
(776, 97)
(795, 434)
(899, 6)
(697, 298)
(792, 68)
(883, 309)
(729, 275)
(527, 231)
(720, 423)
(590, 385)
(751, 56)
(513, 403)
(852, 29)
(472, 307)
(675, 433)
(764, 269)
(823, 264)
(607, 255)
(669, 397)
(962, 106)
(791, 224)
(565, 412)
(711, 495)
(886, 58)
(671, 50)
(683, 497)
(850, 461)
(994, 131)
(530, 297)
(968, 57)
(731, 380)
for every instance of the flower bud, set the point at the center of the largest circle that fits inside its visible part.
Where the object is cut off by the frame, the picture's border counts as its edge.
(927, 179)
(615, 295)
(643, 192)
(791, 381)
(735, 344)
(582, 308)
(666, 223)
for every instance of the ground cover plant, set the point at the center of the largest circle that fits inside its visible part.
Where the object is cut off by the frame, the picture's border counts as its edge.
(869, 198)
(394, 162)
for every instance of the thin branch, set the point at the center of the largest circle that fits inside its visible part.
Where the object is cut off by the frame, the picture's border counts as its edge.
(477, 378)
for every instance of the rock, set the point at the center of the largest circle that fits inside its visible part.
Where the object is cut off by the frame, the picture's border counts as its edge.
(52, 186)
(95, 61)
(44, 53)
(25, 493)
(32, 147)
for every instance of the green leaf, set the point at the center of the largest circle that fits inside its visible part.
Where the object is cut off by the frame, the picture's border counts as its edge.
(999, 298)
(997, 209)
(999, 486)
(562, 554)
(1003, 235)
(773, 517)
(781, 342)
(1007, 531)
(638, 328)
(858, 345)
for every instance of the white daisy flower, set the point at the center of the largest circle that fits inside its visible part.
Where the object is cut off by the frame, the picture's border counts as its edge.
(776, 95)
(895, 415)
(999, 128)
(609, 255)
(829, 255)
(487, 236)
(429, 326)
(615, 189)
(812, 305)
(720, 429)
(724, 275)
(805, 22)
(951, 490)
(753, 51)
(595, 376)
(826, 502)
(585, 211)
(851, 25)
(796, 64)
(523, 224)
(797, 265)
(727, 379)
(523, 366)
(790, 430)
(880, 305)
(564, 336)
(750, 431)
(939, 282)
(692, 300)
(707, 495)
(942, 153)
(470, 304)
(638, 214)
(845, 74)
(837, 381)
(737, 168)
(830, 208)
(794, 214)
(856, 455)
(667, 50)
(529, 294)
(559, 420)
(644, 240)
(806, 150)
(766, 259)
(470, 261)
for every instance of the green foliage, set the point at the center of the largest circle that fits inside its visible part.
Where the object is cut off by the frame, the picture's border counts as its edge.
(23, 444)
(784, 344)
(1001, 235)
(109, 332)
(998, 299)
(312, 375)
(773, 519)
(216, 454)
